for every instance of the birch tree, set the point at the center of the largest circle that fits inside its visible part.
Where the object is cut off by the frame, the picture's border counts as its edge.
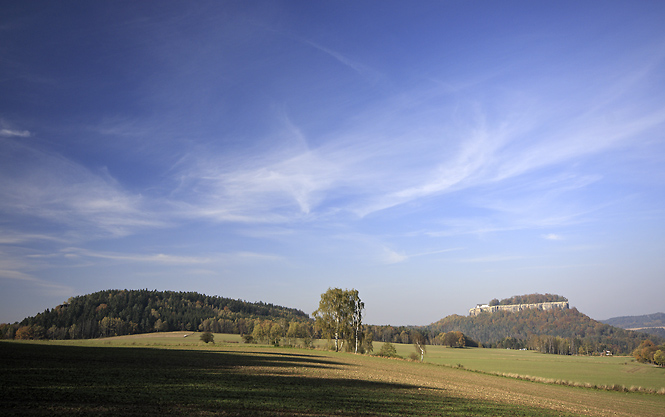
(357, 307)
(331, 315)
(339, 316)
(419, 343)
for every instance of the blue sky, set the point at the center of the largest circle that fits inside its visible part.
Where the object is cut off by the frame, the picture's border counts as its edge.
(432, 155)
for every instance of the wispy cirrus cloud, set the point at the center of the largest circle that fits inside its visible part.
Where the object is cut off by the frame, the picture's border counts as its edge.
(409, 148)
(156, 258)
(491, 258)
(285, 181)
(53, 288)
(361, 69)
(12, 237)
(171, 259)
(393, 257)
(351, 172)
(9, 130)
(49, 186)
(272, 192)
(552, 236)
(17, 268)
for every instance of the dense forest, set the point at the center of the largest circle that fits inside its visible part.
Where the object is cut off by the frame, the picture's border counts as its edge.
(563, 331)
(122, 312)
(528, 299)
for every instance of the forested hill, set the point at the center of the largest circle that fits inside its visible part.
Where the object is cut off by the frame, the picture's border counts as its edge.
(531, 327)
(650, 323)
(118, 312)
(632, 322)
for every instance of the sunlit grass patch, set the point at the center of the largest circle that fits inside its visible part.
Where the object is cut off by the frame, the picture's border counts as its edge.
(579, 371)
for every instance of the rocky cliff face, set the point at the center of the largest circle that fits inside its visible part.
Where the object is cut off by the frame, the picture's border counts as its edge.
(517, 307)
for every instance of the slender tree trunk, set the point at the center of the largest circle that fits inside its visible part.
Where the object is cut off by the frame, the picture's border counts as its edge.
(356, 331)
(337, 336)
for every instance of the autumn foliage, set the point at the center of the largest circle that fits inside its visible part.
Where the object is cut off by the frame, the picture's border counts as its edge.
(647, 351)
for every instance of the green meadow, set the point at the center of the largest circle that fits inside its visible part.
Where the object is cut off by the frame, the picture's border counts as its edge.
(600, 371)
(170, 374)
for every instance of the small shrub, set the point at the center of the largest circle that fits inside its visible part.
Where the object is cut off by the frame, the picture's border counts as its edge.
(307, 342)
(207, 337)
(388, 351)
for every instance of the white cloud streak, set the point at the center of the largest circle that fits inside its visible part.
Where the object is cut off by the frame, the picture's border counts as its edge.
(9, 237)
(35, 282)
(392, 257)
(51, 187)
(170, 259)
(552, 236)
(14, 133)
(361, 69)
(491, 258)
(16, 268)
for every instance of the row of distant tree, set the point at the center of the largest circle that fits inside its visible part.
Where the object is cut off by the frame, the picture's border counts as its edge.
(529, 299)
(555, 345)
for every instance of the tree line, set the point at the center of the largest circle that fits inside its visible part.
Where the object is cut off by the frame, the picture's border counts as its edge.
(410, 334)
(282, 333)
(528, 299)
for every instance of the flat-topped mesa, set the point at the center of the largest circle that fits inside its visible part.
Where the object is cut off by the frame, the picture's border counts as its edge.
(513, 308)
